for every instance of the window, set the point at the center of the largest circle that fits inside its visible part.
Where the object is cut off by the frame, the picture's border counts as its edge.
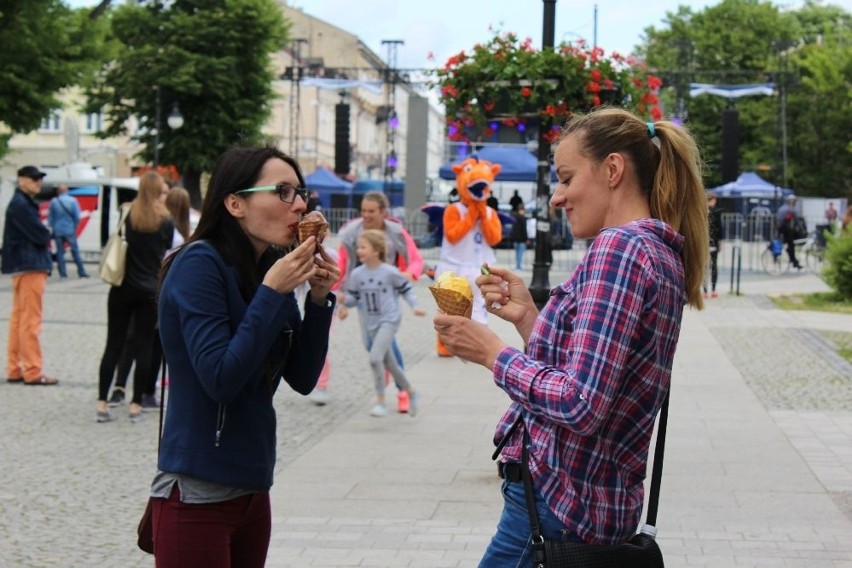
(94, 122)
(51, 123)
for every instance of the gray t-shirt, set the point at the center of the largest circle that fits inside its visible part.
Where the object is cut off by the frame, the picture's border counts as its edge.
(375, 291)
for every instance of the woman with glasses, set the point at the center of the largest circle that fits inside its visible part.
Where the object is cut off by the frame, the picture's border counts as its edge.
(231, 331)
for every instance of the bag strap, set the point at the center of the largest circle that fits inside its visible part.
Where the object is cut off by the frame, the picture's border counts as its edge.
(162, 404)
(648, 528)
(122, 221)
(70, 214)
(657, 470)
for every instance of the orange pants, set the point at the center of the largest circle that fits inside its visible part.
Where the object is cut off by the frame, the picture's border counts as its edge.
(24, 350)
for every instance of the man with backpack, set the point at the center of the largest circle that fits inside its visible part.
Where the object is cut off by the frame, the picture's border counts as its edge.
(790, 227)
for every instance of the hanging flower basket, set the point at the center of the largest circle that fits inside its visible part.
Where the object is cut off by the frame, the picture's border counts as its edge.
(510, 81)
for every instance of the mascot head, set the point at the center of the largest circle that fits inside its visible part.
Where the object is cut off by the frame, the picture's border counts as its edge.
(474, 178)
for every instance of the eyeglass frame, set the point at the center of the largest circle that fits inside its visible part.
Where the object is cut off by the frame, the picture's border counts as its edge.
(298, 191)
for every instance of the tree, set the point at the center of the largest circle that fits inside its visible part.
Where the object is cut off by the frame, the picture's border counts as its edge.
(806, 50)
(46, 47)
(210, 57)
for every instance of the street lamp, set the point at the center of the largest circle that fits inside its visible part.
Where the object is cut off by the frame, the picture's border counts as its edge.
(175, 121)
(540, 284)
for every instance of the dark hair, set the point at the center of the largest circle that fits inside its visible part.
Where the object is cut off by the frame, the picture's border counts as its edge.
(237, 168)
(667, 167)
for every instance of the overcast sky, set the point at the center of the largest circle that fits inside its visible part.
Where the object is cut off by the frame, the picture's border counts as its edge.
(445, 27)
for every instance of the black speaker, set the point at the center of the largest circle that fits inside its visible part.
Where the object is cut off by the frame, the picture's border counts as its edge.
(342, 155)
(730, 144)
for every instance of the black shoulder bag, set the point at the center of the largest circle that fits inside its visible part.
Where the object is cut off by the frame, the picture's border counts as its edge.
(641, 551)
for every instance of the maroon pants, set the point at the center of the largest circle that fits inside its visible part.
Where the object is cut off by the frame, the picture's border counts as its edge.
(229, 534)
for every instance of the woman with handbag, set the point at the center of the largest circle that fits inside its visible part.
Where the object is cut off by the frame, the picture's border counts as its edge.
(231, 331)
(148, 231)
(598, 358)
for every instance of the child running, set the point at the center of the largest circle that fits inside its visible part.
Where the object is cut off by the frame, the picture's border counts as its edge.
(374, 287)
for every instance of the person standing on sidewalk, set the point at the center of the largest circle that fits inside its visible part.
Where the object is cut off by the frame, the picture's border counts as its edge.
(519, 235)
(374, 286)
(231, 332)
(598, 359)
(27, 258)
(150, 230)
(714, 223)
(63, 217)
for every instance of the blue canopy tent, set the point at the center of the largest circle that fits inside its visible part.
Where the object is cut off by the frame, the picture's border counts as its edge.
(748, 194)
(750, 191)
(518, 164)
(333, 191)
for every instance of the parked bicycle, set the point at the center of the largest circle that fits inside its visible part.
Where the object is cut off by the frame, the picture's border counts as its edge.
(776, 262)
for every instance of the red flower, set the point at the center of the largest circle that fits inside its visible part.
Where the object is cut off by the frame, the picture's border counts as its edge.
(596, 101)
(526, 92)
(449, 91)
(654, 83)
(637, 81)
(595, 75)
(593, 87)
(656, 113)
(607, 84)
(489, 106)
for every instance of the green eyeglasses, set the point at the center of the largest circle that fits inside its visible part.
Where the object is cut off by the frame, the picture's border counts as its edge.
(286, 192)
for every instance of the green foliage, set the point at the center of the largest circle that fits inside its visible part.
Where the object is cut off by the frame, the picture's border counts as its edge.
(751, 41)
(838, 270)
(211, 57)
(46, 47)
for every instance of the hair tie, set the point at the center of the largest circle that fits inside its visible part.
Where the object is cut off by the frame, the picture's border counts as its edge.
(652, 134)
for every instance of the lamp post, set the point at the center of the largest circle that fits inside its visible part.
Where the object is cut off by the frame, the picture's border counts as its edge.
(174, 120)
(540, 284)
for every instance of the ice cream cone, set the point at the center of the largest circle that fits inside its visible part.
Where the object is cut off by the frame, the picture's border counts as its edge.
(451, 302)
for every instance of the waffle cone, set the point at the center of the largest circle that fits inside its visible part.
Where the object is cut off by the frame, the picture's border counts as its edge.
(451, 302)
(313, 224)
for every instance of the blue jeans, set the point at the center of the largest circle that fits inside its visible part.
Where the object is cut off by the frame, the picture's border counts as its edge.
(511, 546)
(60, 241)
(520, 249)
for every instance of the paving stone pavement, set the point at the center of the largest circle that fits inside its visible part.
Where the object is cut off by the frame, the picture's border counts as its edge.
(351, 490)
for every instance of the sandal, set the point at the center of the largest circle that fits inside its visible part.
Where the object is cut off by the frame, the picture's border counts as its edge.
(43, 380)
(14, 379)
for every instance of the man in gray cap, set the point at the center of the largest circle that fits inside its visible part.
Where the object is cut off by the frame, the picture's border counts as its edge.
(27, 259)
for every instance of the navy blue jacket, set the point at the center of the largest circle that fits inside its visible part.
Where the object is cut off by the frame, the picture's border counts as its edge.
(25, 238)
(226, 358)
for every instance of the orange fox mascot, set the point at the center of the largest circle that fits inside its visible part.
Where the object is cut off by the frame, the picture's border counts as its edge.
(471, 229)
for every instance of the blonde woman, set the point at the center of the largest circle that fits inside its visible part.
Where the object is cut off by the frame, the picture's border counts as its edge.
(149, 231)
(598, 358)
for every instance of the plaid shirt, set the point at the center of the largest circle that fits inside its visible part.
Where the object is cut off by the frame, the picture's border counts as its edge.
(595, 373)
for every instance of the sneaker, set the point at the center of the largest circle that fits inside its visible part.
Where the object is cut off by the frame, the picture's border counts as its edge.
(415, 404)
(149, 402)
(117, 397)
(319, 397)
(105, 416)
(402, 402)
(135, 417)
(379, 411)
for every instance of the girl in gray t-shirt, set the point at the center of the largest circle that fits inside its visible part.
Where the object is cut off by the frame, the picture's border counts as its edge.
(375, 287)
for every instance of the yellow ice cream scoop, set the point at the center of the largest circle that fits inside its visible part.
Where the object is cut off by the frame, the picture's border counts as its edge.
(453, 294)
